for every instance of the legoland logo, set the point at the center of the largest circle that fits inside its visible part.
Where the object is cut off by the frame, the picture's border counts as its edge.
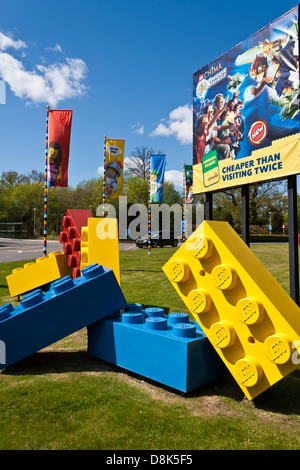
(257, 132)
(201, 87)
(2, 92)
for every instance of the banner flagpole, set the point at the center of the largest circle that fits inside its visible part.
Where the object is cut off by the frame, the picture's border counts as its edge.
(46, 184)
(104, 167)
(149, 207)
(183, 201)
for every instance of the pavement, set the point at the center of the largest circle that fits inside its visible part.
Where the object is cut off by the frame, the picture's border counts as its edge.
(13, 249)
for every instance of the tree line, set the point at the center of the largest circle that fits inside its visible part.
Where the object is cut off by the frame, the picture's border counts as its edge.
(22, 198)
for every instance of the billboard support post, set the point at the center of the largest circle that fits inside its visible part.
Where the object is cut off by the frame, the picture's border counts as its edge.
(245, 214)
(208, 206)
(293, 238)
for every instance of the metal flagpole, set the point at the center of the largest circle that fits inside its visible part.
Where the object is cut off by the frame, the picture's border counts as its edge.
(149, 207)
(104, 167)
(46, 185)
(183, 203)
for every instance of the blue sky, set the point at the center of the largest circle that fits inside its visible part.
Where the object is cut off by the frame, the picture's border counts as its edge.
(124, 67)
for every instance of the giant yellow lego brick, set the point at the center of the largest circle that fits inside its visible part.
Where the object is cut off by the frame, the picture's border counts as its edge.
(36, 274)
(250, 320)
(100, 244)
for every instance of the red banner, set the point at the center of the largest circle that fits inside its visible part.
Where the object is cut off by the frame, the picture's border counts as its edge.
(59, 147)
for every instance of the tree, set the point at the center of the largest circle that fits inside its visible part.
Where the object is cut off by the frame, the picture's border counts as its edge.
(9, 179)
(263, 199)
(12, 178)
(285, 216)
(170, 195)
(138, 162)
(136, 189)
(20, 202)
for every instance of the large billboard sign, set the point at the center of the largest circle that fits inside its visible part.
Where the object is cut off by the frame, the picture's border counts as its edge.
(246, 110)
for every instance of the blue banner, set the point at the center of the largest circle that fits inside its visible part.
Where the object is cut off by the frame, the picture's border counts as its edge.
(157, 172)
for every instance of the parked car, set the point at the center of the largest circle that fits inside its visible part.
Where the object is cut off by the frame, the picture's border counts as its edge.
(160, 238)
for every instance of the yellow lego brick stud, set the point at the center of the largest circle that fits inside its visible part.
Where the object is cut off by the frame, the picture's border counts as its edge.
(100, 244)
(250, 320)
(37, 274)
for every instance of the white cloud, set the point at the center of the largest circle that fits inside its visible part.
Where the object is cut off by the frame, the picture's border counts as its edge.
(174, 176)
(56, 48)
(49, 85)
(7, 42)
(179, 125)
(138, 128)
(100, 170)
(44, 84)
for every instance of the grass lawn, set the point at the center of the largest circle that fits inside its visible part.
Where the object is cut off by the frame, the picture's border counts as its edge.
(60, 398)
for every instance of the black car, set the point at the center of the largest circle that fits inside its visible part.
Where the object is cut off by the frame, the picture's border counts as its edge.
(160, 238)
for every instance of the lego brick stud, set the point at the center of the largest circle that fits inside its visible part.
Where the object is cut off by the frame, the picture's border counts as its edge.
(154, 311)
(132, 317)
(93, 270)
(62, 285)
(84, 255)
(6, 311)
(134, 307)
(32, 299)
(248, 371)
(224, 277)
(84, 234)
(201, 246)
(179, 271)
(223, 334)
(156, 323)
(278, 348)
(178, 317)
(250, 310)
(199, 301)
(184, 330)
(66, 221)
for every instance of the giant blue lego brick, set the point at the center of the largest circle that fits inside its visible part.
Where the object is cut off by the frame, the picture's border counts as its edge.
(68, 306)
(169, 349)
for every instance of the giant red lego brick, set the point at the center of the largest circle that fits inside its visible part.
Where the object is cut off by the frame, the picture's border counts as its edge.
(70, 236)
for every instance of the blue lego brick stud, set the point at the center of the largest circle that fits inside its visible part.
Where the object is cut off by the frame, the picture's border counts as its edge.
(168, 349)
(68, 306)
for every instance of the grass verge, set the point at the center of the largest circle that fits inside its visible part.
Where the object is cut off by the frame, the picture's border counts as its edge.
(61, 398)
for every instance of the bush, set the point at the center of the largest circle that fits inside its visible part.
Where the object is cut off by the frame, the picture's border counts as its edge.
(269, 238)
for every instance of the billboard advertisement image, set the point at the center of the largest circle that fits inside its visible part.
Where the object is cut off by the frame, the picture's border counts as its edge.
(246, 110)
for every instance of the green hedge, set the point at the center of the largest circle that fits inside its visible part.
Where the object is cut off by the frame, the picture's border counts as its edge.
(269, 238)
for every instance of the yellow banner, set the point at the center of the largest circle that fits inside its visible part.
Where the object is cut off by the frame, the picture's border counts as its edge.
(114, 163)
(279, 160)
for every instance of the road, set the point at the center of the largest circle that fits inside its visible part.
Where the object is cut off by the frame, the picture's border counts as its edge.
(12, 249)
